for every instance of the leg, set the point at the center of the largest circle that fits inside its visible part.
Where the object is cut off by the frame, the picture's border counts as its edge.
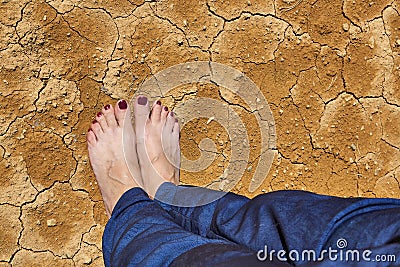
(112, 153)
(140, 232)
(288, 220)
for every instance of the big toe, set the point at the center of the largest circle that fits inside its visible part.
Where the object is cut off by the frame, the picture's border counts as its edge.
(122, 113)
(141, 114)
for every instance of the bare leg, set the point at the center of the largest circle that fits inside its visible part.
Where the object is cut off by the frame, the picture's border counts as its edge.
(157, 135)
(112, 153)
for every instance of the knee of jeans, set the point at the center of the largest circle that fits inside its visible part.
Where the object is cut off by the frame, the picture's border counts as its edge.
(271, 199)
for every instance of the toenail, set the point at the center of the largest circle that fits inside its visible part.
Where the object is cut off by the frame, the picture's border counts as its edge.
(107, 107)
(158, 102)
(122, 104)
(165, 108)
(142, 100)
(94, 121)
(99, 114)
(176, 120)
(171, 113)
(89, 130)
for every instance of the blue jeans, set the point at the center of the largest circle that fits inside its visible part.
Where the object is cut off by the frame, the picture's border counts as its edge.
(283, 228)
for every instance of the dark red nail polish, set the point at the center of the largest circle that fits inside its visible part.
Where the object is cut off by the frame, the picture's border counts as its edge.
(99, 114)
(94, 121)
(142, 100)
(158, 102)
(107, 107)
(89, 130)
(166, 108)
(122, 104)
(176, 120)
(172, 113)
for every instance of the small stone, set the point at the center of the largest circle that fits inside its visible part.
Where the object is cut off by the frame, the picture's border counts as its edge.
(86, 259)
(44, 17)
(353, 146)
(346, 27)
(51, 222)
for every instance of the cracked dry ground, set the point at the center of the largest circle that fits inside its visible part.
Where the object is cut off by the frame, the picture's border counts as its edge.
(328, 69)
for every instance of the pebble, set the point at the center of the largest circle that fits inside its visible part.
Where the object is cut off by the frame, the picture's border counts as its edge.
(51, 222)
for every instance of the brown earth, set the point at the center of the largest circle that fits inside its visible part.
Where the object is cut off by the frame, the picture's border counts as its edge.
(330, 71)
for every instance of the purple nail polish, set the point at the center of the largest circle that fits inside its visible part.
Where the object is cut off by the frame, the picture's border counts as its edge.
(122, 104)
(142, 100)
(107, 107)
(99, 114)
(166, 108)
(158, 102)
(172, 113)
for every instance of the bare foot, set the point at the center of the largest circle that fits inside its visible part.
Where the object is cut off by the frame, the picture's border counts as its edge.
(112, 152)
(158, 149)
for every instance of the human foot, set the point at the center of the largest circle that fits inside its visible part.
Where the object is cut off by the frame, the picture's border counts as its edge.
(112, 153)
(157, 143)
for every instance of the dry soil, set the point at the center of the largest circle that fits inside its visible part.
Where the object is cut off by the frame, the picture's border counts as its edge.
(330, 71)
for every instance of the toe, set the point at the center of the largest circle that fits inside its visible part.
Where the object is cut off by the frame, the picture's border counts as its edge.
(91, 137)
(164, 114)
(141, 115)
(109, 116)
(96, 129)
(170, 122)
(122, 113)
(156, 112)
(101, 120)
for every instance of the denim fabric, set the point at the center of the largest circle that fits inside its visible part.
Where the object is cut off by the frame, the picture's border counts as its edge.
(232, 229)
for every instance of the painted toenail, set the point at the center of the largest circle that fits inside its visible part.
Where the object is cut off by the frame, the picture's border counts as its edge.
(176, 120)
(158, 102)
(171, 113)
(107, 107)
(142, 100)
(89, 130)
(122, 104)
(94, 121)
(99, 114)
(165, 108)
